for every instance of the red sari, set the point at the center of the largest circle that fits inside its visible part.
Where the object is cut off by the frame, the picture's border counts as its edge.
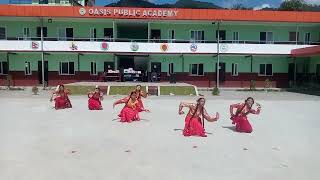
(240, 119)
(130, 112)
(94, 102)
(62, 100)
(140, 94)
(194, 124)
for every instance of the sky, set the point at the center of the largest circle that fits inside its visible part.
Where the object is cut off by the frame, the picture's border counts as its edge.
(257, 4)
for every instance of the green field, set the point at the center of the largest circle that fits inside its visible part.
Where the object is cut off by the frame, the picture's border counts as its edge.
(177, 90)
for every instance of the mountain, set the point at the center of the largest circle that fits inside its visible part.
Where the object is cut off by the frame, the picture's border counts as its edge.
(179, 4)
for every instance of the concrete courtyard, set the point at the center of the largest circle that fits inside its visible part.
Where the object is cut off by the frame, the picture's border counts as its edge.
(40, 143)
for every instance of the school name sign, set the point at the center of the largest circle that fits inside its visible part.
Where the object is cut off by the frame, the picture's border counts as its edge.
(126, 12)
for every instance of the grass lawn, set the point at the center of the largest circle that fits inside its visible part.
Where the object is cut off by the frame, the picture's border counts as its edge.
(123, 90)
(80, 90)
(177, 90)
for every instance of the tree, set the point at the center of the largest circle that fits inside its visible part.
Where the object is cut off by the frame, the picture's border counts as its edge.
(293, 5)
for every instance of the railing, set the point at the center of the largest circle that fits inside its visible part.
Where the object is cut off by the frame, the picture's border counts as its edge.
(158, 40)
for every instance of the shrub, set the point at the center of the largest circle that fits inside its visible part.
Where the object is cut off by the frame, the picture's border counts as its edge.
(35, 90)
(215, 91)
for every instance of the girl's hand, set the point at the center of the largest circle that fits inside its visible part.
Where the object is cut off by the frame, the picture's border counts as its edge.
(217, 116)
(181, 112)
(147, 110)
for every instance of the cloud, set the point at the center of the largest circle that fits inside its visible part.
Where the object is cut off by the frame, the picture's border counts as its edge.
(230, 3)
(262, 6)
(313, 2)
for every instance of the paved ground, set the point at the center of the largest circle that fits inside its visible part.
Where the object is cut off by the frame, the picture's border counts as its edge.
(39, 143)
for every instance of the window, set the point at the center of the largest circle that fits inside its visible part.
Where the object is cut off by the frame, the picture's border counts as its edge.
(26, 33)
(318, 70)
(93, 69)
(3, 33)
(196, 69)
(66, 68)
(266, 37)
(234, 69)
(293, 36)
(93, 34)
(307, 38)
(171, 35)
(265, 70)
(171, 69)
(235, 37)
(3, 67)
(197, 35)
(61, 34)
(27, 68)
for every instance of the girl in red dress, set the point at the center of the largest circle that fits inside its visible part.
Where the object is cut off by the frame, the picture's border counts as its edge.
(140, 94)
(95, 98)
(194, 121)
(240, 117)
(130, 111)
(61, 99)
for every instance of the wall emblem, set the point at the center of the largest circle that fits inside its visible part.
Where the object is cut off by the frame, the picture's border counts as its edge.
(164, 47)
(134, 46)
(34, 45)
(82, 11)
(193, 47)
(224, 47)
(104, 46)
(73, 46)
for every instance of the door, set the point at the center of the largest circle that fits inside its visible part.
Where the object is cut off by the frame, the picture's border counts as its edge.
(45, 32)
(291, 71)
(155, 34)
(156, 67)
(45, 71)
(69, 33)
(222, 35)
(108, 33)
(222, 71)
(108, 66)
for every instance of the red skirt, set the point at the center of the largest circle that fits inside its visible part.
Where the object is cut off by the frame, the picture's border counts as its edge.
(242, 124)
(128, 115)
(193, 127)
(140, 106)
(62, 103)
(94, 104)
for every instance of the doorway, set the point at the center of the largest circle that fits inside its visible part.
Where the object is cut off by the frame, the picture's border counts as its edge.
(222, 71)
(46, 71)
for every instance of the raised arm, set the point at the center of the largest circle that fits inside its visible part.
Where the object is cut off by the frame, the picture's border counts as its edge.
(121, 101)
(232, 106)
(209, 118)
(143, 94)
(183, 104)
(257, 111)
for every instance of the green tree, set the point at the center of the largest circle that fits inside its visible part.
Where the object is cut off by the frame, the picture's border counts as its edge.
(293, 5)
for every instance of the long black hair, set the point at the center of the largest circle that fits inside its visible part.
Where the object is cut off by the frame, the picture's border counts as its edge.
(197, 107)
(245, 103)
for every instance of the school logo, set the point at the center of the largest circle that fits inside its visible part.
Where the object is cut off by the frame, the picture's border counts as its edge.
(193, 47)
(34, 45)
(104, 46)
(73, 46)
(134, 46)
(82, 11)
(224, 47)
(164, 47)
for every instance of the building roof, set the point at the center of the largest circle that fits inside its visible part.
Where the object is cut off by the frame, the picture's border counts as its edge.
(159, 13)
(308, 51)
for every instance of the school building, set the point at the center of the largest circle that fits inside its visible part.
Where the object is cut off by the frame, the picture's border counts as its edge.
(63, 44)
